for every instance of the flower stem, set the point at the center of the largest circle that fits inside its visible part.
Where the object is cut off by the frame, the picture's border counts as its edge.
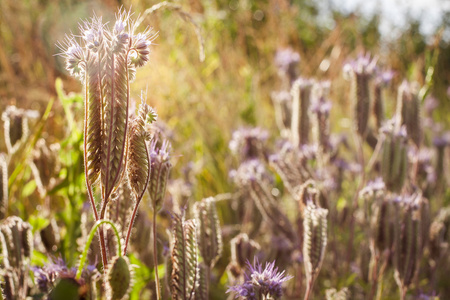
(155, 256)
(89, 241)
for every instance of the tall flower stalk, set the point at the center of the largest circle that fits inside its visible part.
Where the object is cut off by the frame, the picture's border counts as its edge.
(105, 60)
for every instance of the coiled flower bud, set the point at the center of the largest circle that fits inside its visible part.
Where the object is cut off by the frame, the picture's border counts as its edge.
(282, 102)
(243, 249)
(320, 114)
(119, 278)
(209, 233)
(360, 72)
(16, 126)
(394, 158)
(381, 80)
(160, 168)
(301, 100)
(408, 107)
(314, 240)
(407, 240)
(138, 156)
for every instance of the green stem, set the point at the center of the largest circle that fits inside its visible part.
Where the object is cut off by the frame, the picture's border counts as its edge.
(89, 241)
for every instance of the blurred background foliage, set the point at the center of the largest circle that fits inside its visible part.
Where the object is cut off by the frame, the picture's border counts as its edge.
(201, 102)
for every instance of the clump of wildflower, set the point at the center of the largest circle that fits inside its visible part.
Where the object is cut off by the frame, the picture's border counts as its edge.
(286, 61)
(248, 143)
(261, 283)
(47, 275)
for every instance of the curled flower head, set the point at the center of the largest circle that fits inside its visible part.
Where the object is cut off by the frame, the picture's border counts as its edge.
(286, 61)
(363, 65)
(248, 142)
(265, 281)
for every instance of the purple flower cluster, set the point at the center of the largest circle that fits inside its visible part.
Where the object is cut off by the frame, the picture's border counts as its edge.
(261, 283)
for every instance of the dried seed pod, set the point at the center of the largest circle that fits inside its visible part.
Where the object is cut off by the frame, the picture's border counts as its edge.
(314, 240)
(184, 255)
(209, 233)
(16, 126)
(3, 186)
(138, 156)
(394, 160)
(361, 71)
(300, 126)
(160, 169)
(119, 278)
(333, 294)
(408, 107)
(243, 249)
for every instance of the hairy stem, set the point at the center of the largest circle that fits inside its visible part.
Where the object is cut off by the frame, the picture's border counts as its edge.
(89, 241)
(88, 185)
(359, 143)
(155, 256)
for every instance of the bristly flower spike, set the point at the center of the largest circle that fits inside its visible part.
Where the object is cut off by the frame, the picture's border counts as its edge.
(104, 59)
(261, 283)
(160, 169)
(360, 72)
(314, 242)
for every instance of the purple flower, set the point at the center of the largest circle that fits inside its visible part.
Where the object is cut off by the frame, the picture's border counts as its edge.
(248, 143)
(261, 282)
(363, 65)
(46, 276)
(286, 61)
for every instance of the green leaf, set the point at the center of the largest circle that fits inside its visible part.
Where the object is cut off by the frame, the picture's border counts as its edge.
(29, 188)
(38, 223)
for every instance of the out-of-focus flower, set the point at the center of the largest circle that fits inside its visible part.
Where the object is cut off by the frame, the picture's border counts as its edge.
(261, 283)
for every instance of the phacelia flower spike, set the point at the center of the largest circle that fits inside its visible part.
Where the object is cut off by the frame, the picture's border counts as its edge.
(261, 283)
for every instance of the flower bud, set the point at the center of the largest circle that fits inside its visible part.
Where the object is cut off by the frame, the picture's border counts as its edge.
(119, 278)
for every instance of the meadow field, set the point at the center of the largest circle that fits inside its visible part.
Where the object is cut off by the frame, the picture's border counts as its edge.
(222, 150)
